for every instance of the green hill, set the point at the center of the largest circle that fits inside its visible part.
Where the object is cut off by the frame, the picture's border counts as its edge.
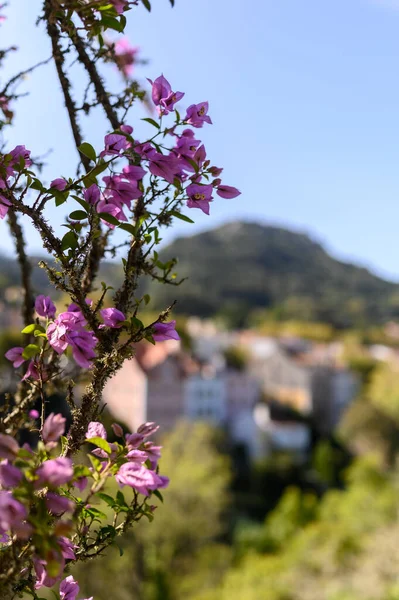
(241, 267)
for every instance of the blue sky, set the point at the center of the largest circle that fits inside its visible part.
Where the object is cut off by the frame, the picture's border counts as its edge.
(304, 97)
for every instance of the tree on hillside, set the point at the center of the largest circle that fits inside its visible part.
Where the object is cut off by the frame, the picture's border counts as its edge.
(113, 201)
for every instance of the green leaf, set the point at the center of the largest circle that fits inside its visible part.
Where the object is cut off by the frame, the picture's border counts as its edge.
(192, 163)
(129, 228)
(108, 499)
(108, 218)
(96, 462)
(100, 443)
(29, 328)
(111, 23)
(94, 512)
(80, 470)
(146, 299)
(108, 532)
(69, 241)
(120, 498)
(82, 203)
(178, 215)
(64, 443)
(37, 185)
(30, 351)
(152, 122)
(78, 215)
(98, 169)
(39, 334)
(88, 150)
(136, 322)
(60, 197)
(147, 5)
(158, 494)
(89, 180)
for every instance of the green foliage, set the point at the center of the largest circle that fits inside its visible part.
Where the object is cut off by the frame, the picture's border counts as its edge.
(236, 358)
(324, 558)
(179, 552)
(293, 512)
(384, 390)
(363, 366)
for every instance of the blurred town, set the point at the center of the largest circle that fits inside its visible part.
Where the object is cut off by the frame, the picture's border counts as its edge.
(279, 424)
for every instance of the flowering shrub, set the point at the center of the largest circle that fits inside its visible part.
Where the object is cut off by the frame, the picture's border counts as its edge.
(51, 493)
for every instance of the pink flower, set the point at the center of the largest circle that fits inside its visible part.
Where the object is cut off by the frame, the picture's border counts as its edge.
(166, 166)
(67, 330)
(165, 331)
(15, 356)
(55, 472)
(117, 429)
(69, 589)
(32, 371)
(226, 191)
(186, 146)
(215, 171)
(133, 172)
(137, 477)
(53, 428)
(21, 152)
(79, 319)
(34, 414)
(42, 577)
(199, 196)
(125, 56)
(81, 483)
(196, 114)
(137, 456)
(112, 317)
(67, 548)
(115, 144)
(57, 331)
(8, 447)
(45, 307)
(12, 512)
(111, 207)
(120, 190)
(147, 429)
(162, 95)
(4, 205)
(10, 476)
(102, 454)
(92, 194)
(153, 453)
(96, 429)
(133, 440)
(83, 343)
(126, 129)
(59, 184)
(119, 5)
(59, 504)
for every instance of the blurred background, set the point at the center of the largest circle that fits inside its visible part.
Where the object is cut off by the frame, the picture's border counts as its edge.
(279, 408)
